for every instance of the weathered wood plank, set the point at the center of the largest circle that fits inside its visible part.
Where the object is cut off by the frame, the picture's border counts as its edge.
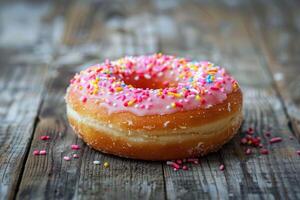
(50, 176)
(21, 93)
(22, 79)
(276, 30)
(220, 33)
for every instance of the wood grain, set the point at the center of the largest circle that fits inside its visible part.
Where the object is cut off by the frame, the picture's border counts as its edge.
(223, 31)
(276, 30)
(256, 41)
(51, 177)
(22, 80)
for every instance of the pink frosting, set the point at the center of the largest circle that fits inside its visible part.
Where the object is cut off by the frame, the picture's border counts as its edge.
(154, 84)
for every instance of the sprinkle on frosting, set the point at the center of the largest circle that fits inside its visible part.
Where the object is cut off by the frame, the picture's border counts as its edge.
(154, 84)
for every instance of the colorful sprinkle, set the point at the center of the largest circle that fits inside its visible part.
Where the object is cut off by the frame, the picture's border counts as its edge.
(45, 137)
(75, 156)
(42, 152)
(222, 167)
(67, 158)
(96, 162)
(75, 147)
(36, 152)
(264, 151)
(176, 84)
(106, 164)
(275, 140)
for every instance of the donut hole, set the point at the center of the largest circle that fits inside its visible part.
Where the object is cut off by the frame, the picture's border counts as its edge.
(147, 82)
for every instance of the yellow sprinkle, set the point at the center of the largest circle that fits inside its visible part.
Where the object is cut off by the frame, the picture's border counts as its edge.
(106, 164)
(173, 105)
(130, 103)
(235, 86)
(197, 97)
(118, 89)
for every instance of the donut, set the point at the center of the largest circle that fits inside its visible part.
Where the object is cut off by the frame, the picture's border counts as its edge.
(154, 107)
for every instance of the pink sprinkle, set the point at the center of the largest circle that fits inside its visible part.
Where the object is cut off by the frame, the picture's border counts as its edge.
(298, 152)
(173, 164)
(36, 152)
(248, 151)
(42, 152)
(264, 151)
(175, 169)
(67, 158)
(75, 147)
(45, 137)
(75, 156)
(185, 167)
(179, 162)
(275, 140)
(222, 167)
(244, 140)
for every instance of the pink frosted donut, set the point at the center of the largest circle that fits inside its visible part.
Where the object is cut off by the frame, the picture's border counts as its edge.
(154, 107)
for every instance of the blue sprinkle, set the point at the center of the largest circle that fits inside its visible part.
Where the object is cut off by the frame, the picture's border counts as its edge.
(209, 79)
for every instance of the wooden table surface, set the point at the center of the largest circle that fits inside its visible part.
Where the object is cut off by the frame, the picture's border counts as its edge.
(42, 45)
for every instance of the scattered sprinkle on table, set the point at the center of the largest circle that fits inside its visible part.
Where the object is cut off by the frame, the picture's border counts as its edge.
(75, 147)
(96, 162)
(42, 152)
(75, 156)
(222, 167)
(67, 158)
(45, 137)
(36, 152)
(275, 140)
(106, 164)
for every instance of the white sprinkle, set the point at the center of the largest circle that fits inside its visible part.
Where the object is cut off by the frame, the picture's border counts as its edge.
(229, 107)
(96, 162)
(166, 123)
(168, 107)
(147, 76)
(136, 78)
(278, 76)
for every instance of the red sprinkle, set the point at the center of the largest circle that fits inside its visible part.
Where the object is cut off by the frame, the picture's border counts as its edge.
(298, 152)
(45, 137)
(36, 152)
(75, 147)
(250, 131)
(222, 167)
(42, 152)
(267, 133)
(83, 99)
(275, 140)
(264, 151)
